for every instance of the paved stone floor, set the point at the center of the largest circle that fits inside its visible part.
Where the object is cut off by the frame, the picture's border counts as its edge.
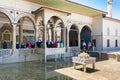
(105, 70)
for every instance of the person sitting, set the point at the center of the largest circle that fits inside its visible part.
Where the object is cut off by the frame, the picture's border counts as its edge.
(17, 45)
(89, 45)
(51, 44)
(61, 44)
(56, 44)
(48, 43)
(5, 46)
(33, 45)
(22, 45)
(29, 45)
(39, 43)
(93, 46)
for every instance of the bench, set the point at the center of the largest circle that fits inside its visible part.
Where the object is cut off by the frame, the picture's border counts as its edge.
(84, 62)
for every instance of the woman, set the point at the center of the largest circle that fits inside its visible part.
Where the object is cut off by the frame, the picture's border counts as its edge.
(29, 44)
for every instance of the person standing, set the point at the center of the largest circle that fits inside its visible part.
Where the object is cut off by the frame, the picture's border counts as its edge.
(89, 45)
(84, 46)
(93, 46)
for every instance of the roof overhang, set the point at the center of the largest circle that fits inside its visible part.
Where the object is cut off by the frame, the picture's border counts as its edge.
(43, 8)
(69, 6)
(112, 19)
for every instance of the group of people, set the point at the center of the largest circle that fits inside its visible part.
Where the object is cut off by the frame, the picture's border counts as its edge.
(27, 45)
(88, 46)
(50, 44)
(56, 44)
(40, 44)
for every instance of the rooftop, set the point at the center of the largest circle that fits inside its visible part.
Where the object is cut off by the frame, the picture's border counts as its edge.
(68, 6)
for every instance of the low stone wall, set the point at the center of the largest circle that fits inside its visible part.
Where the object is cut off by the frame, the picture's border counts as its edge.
(20, 55)
(105, 56)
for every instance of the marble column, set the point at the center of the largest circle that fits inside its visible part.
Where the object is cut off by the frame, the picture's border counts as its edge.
(79, 41)
(45, 46)
(36, 34)
(21, 35)
(14, 37)
(54, 38)
(64, 35)
(67, 38)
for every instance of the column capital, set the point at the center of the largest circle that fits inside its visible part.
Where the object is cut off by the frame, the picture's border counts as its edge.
(14, 24)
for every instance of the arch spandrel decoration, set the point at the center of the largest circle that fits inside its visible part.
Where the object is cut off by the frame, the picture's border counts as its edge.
(25, 15)
(89, 26)
(7, 13)
(71, 24)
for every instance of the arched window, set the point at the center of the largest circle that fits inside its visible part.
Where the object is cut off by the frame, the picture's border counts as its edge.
(108, 43)
(116, 43)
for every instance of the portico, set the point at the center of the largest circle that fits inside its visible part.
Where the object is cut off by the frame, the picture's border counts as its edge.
(65, 25)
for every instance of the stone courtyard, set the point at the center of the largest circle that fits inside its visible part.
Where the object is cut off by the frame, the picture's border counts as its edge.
(104, 70)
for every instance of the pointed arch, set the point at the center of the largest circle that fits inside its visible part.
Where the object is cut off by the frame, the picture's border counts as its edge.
(26, 30)
(73, 35)
(85, 35)
(30, 16)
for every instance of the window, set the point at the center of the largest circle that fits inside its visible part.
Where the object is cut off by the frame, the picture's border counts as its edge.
(28, 31)
(94, 41)
(116, 43)
(108, 31)
(108, 43)
(6, 35)
(116, 32)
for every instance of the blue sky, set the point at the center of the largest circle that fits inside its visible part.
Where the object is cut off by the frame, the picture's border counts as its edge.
(102, 5)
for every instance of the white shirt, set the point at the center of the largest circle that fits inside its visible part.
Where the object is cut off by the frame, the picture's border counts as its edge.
(84, 44)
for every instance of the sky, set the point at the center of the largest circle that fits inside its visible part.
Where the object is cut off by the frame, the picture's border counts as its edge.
(102, 5)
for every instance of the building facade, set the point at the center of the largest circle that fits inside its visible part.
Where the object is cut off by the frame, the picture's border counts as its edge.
(60, 29)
